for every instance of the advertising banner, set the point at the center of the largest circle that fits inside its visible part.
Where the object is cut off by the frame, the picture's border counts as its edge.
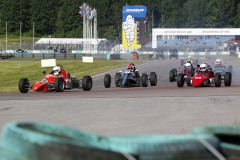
(133, 26)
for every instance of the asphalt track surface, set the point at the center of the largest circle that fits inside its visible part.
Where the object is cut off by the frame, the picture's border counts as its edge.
(163, 109)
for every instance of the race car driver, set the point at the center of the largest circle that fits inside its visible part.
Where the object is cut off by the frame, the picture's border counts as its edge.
(132, 69)
(56, 70)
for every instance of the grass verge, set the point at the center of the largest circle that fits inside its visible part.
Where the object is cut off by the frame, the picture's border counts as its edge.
(15, 69)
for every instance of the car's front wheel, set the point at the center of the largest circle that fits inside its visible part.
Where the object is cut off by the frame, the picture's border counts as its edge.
(87, 83)
(23, 85)
(107, 81)
(59, 84)
(228, 79)
(180, 80)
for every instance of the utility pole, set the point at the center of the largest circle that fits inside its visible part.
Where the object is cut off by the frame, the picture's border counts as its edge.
(33, 36)
(6, 36)
(20, 34)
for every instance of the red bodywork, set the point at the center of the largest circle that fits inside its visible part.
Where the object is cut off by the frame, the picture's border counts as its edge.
(199, 77)
(47, 83)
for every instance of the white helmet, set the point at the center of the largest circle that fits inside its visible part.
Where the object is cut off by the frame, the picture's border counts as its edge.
(188, 65)
(218, 61)
(56, 70)
(203, 67)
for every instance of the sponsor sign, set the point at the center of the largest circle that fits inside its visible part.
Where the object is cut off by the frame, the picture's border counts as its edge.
(133, 26)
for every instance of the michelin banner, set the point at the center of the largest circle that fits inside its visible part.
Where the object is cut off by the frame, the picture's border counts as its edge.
(133, 26)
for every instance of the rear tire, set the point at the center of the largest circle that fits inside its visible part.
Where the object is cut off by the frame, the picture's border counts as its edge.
(59, 84)
(171, 76)
(87, 83)
(144, 80)
(153, 79)
(23, 85)
(117, 79)
(217, 80)
(107, 81)
(180, 80)
(228, 79)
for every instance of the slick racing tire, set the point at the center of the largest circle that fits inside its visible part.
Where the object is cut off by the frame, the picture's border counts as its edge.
(153, 79)
(144, 80)
(217, 80)
(182, 62)
(59, 84)
(190, 74)
(227, 79)
(23, 85)
(107, 81)
(117, 79)
(230, 68)
(87, 83)
(171, 76)
(180, 80)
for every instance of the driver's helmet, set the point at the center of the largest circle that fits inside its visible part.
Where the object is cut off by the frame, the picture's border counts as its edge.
(203, 67)
(188, 65)
(218, 61)
(131, 67)
(56, 70)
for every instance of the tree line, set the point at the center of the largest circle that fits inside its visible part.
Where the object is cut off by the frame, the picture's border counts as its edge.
(59, 18)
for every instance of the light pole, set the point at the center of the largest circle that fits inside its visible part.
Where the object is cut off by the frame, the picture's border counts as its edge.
(49, 41)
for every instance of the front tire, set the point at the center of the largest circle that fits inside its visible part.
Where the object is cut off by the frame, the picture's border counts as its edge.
(153, 79)
(180, 80)
(87, 83)
(107, 81)
(144, 80)
(217, 80)
(171, 76)
(23, 85)
(228, 79)
(59, 84)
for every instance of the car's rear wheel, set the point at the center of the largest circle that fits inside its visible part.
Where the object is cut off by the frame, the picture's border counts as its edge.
(153, 79)
(117, 79)
(217, 80)
(59, 84)
(23, 85)
(180, 80)
(144, 80)
(228, 79)
(87, 83)
(107, 81)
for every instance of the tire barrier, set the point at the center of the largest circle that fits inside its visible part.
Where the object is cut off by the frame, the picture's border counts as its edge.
(229, 137)
(40, 141)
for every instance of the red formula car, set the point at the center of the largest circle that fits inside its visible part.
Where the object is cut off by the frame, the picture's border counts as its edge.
(58, 80)
(204, 76)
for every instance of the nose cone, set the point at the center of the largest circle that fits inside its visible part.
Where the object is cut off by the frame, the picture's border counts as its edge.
(197, 81)
(38, 86)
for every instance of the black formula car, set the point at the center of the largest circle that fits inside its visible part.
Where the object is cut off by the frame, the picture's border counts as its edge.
(131, 79)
